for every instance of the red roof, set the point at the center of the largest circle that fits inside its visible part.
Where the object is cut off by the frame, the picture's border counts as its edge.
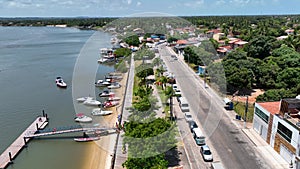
(271, 107)
(182, 42)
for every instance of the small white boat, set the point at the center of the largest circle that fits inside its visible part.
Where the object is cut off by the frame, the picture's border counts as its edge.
(82, 99)
(92, 102)
(60, 82)
(83, 118)
(114, 86)
(106, 93)
(109, 104)
(101, 83)
(114, 99)
(85, 139)
(99, 112)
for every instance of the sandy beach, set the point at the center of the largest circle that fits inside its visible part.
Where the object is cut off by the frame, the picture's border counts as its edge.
(99, 153)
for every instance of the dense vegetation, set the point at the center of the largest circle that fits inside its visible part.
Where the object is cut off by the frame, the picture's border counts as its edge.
(265, 62)
(148, 138)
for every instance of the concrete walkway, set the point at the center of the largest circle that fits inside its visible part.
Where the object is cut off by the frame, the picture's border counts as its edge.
(120, 158)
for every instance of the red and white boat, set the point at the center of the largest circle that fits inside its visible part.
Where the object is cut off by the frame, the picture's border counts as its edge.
(113, 98)
(109, 104)
(86, 139)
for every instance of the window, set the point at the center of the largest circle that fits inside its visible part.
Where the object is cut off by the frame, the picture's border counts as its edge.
(284, 132)
(261, 115)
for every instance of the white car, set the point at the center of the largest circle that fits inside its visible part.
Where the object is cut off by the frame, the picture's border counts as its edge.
(206, 153)
(188, 116)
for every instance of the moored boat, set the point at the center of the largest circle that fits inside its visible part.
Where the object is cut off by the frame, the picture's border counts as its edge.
(115, 85)
(82, 99)
(99, 112)
(85, 139)
(60, 82)
(92, 102)
(102, 83)
(109, 104)
(80, 117)
(106, 93)
(114, 99)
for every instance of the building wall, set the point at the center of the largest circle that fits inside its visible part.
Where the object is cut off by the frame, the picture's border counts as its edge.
(295, 135)
(276, 140)
(270, 128)
(259, 125)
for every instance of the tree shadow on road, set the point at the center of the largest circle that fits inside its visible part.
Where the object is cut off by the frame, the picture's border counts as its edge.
(172, 156)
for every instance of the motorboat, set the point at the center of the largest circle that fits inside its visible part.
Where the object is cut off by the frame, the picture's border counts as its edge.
(80, 117)
(109, 104)
(82, 99)
(92, 102)
(114, 86)
(102, 83)
(86, 139)
(106, 93)
(99, 112)
(115, 77)
(114, 99)
(60, 82)
(102, 60)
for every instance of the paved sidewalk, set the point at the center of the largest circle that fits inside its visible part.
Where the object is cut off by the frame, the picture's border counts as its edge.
(121, 157)
(159, 103)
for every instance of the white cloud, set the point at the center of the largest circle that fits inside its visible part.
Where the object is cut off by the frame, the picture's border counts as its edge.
(196, 3)
(220, 2)
(138, 3)
(67, 3)
(129, 2)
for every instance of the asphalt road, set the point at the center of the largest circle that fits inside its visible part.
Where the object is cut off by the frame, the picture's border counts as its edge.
(228, 142)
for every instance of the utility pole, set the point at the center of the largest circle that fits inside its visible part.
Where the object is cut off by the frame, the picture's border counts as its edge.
(245, 115)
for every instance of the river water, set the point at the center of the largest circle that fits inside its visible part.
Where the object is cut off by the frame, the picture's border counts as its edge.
(30, 60)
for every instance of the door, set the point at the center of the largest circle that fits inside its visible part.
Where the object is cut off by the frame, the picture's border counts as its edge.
(264, 132)
(256, 125)
(286, 154)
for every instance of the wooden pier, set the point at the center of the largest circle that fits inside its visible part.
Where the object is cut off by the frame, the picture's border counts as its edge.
(12, 151)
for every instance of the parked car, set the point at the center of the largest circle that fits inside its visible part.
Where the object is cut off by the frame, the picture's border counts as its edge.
(188, 116)
(206, 153)
(192, 125)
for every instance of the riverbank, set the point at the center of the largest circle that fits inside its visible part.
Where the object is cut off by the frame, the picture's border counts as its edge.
(99, 153)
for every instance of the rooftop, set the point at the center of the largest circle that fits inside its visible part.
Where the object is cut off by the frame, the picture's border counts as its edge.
(271, 107)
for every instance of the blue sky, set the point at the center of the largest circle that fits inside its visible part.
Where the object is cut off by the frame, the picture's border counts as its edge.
(104, 8)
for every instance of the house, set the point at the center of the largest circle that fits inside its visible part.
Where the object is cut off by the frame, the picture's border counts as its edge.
(278, 123)
(289, 31)
(211, 33)
(263, 118)
(286, 127)
(223, 50)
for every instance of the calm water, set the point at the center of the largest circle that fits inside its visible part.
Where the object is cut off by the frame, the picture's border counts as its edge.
(30, 60)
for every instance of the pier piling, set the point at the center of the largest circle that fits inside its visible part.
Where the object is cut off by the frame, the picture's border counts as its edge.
(12, 151)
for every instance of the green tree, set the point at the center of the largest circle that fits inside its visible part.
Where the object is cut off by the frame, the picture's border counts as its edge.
(275, 95)
(260, 47)
(132, 40)
(122, 52)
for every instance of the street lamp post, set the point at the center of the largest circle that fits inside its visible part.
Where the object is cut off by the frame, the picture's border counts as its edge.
(245, 115)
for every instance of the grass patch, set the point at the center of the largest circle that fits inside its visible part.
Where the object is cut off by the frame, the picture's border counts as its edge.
(239, 108)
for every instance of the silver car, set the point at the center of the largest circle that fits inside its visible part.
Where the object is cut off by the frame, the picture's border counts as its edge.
(206, 153)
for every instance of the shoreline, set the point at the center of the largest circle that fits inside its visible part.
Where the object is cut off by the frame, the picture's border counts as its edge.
(99, 153)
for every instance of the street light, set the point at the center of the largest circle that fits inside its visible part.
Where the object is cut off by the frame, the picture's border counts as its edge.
(245, 115)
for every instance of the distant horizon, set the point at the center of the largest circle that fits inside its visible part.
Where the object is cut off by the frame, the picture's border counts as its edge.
(50, 17)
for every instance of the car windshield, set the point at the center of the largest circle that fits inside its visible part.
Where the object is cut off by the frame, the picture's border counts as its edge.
(206, 152)
(188, 116)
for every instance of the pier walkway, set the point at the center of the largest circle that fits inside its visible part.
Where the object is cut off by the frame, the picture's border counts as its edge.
(32, 134)
(12, 151)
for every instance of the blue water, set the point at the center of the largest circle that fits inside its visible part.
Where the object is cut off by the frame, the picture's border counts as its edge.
(30, 60)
